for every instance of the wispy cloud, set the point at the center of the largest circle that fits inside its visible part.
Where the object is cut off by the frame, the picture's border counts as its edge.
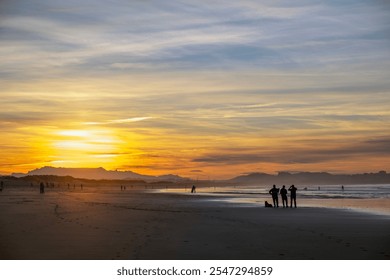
(181, 33)
(183, 80)
(119, 121)
(304, 155)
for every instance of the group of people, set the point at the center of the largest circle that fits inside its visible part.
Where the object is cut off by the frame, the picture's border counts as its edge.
(274, 192)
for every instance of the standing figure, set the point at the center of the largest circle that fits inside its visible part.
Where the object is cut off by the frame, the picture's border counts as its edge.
(1, 186)
(293, 196)
(42, 188)
(193, 189)
(274, 192)
(283, 193)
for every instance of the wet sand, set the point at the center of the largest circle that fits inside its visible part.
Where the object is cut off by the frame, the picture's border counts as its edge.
(135, 224)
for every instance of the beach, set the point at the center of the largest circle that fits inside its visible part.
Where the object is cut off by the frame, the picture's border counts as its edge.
(147, 224)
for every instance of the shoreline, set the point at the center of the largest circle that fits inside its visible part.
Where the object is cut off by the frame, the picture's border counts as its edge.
(146, 225)
(375, 206)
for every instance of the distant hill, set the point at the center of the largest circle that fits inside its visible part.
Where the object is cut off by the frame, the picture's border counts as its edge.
(282, 178)
(311, 178)
(98, 174)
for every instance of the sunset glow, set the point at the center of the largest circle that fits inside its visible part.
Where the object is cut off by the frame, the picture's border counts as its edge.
(196, 89)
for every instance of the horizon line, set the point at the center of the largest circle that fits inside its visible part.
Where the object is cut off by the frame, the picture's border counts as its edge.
(187, 177)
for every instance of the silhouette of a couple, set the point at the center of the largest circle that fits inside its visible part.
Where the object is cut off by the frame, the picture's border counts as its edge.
(274, 192)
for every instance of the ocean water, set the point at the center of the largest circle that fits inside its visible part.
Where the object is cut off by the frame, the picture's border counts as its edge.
(350, 191)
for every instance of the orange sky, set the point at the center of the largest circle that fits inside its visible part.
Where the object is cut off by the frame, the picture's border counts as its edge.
(205, 93)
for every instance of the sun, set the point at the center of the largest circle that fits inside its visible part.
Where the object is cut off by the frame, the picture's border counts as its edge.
(85, 147)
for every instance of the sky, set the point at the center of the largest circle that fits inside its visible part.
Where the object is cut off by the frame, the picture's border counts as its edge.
(202, 89)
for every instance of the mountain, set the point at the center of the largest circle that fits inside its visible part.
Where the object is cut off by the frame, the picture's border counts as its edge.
(97, 174)
(282, 178)
(253, 178)
(311, 178)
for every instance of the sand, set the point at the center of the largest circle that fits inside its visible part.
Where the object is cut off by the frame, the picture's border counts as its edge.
(135, 224)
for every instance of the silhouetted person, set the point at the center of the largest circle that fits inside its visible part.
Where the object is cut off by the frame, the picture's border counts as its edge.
(283, 193)
(1, 186)
(42, 188)
(274, 192)
(193, 189)
(342, 188)
(293, 196)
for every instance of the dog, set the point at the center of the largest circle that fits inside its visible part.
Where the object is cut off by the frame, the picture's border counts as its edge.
(268, 204)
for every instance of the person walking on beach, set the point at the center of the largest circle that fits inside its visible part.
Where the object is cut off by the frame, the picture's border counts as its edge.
(283, 193)
(42, 188)
(193, 189)
(293, 196)
(274, 192)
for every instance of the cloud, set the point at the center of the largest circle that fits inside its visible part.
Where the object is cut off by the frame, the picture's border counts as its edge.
(302, 155)
(79, 39)
(120, 121)
(135, 119)
(182, 76)
(196, 171)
